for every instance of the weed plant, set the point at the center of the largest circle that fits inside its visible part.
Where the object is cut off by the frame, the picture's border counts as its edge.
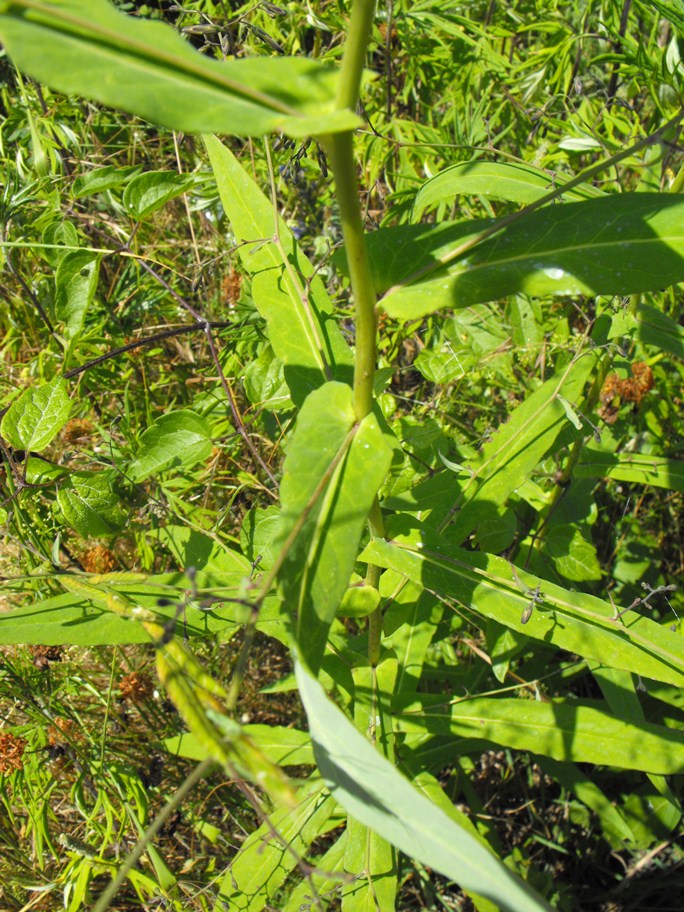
(342, 467)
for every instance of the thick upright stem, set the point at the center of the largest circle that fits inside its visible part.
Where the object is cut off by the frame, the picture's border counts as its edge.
(341, 153)
(355, 47)
(340, 149)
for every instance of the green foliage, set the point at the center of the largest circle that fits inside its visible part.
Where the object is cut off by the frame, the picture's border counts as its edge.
(457, 512)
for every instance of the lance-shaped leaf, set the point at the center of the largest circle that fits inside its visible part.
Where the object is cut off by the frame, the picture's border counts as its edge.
(575, 621)
(507, 460)
(639, 468)
(375, 793)
(258, 871)
(332, 472)
(573, 730)
(88, 48)
(618, 245)
(287, 292)
(519, 183)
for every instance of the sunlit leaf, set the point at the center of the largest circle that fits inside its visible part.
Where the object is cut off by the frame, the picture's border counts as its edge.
(37, 416)
(146, 68)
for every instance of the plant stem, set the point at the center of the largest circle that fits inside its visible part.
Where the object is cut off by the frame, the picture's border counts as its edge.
(355, 47)
(341, 155)
(340, 148)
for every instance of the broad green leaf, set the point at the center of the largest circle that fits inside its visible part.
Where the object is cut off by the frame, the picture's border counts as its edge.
(517, 183)
(88, 48)
(89, 505)
(572, 554)
(101, 179)
(638, 468)
(75, 287)
(284, 746)
(376, 794)
(574, 730)
(150, 191)
(37, 416)
(287, 291)
(258, 871)
(657, 329)
(617, 245)
(431, 788)
(574, 621)
(70, 619)
(176, 439)
(63, 234)
(331, 475)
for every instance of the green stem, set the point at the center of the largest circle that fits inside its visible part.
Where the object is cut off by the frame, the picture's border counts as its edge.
(340, 148)
(341, 154)
(355, 47)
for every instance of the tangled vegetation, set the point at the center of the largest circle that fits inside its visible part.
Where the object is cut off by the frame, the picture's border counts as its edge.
(341, 455)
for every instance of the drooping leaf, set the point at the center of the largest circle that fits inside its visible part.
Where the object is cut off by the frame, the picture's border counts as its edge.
(180, 438)
(375, 793)
(146, 68)
(518, 183)
(618, 245)
(287, 292)
(37, 416)
(75, 287)
(150, 191)
(573, 730)
(89, 505)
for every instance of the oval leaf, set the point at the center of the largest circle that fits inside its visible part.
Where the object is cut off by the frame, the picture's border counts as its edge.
(37, 416)
(90, 506)
(75, 287)
(59, 234)
(150, 191)
(178, 439)
(107, 178)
